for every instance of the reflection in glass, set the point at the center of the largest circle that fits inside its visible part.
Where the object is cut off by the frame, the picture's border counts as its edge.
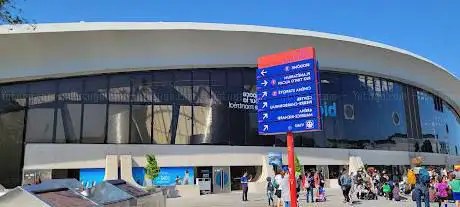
(142, 87)
(201, 125)
(184, 125)
(162, 117)
(40, 125)
(68, 123)
(118, 124)
(141, 124)
(12, 102)
(119, 90)
(94, 123)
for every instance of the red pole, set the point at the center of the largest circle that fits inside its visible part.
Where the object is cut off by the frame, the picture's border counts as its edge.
(292, 178)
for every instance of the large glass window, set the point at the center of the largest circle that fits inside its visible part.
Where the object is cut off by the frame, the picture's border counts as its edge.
(237, 114)
(12, 108)
(220, 122)
(141, 124)
(94, 110)
(40, 116)
(120, 89)
(68, 119)
(162, 117)
(118, 124)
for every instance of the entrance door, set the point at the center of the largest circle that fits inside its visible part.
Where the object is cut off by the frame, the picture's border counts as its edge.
(221, 179)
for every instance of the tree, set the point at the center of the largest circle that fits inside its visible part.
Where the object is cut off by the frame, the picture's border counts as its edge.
(298, 167)
(9, 13)
(151, 170)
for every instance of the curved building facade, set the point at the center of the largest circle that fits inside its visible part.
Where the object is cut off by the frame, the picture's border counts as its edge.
(73, 93)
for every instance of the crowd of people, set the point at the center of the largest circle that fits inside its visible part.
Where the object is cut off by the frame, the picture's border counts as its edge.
(422, 184)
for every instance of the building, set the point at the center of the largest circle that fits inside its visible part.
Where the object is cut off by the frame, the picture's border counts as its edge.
(73, 93)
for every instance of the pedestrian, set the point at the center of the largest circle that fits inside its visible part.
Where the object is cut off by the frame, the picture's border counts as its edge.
(285, 189)
(386, 190)
(396, 195)
(422, 181)
(270, 191)
(277, 184)
(345, 181)
(454, 186)
(298, 186)
(309, 186)
(244, 185)
(441, 191)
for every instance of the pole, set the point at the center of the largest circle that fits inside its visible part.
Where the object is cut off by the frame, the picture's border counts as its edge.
(292, 178)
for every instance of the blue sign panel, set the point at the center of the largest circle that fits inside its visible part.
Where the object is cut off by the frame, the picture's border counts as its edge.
(285, 103)
(288, 114)
(275, 158)
(288, 92)
(299, 66)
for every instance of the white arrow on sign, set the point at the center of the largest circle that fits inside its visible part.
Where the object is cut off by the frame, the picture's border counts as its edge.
(265, 127)
(264, 94)
(265, 83)
(264, 104)
(265, 116)
(263, 72)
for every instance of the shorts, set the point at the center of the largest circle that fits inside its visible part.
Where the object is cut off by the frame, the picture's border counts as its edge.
(456, 196)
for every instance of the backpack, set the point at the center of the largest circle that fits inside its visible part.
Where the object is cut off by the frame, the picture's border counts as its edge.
(275, 184)
(424, 176)
(270, 186)
(411, 177)
(386, 188)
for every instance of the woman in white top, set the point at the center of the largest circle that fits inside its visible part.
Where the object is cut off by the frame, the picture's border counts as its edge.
(285, 190)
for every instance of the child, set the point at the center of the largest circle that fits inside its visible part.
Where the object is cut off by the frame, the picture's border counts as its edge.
(321, 195)
(270, 191)
(441, 189)
(386, 190)
(396, 195)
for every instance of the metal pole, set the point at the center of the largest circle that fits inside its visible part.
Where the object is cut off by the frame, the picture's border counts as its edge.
(292, 178)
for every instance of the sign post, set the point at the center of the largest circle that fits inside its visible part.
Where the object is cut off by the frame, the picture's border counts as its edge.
(288, 99)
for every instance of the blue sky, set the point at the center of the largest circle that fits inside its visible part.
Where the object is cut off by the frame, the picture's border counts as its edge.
(430, 28)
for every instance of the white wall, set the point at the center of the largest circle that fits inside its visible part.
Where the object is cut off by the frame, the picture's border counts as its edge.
(74, 156)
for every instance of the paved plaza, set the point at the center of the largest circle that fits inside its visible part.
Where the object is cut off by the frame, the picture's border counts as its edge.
(233, 199)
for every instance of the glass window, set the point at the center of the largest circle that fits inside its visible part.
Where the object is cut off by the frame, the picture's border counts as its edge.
(184, 125)
(183, 87)
(118, 124)
(68, 123)
(94, 123)
(162, 117)
(40, 116)
(141, 124)
(163, 90)
(201, 90)
(68, 119)
(202, 119)
(12, 107)
(120, 89)
(220, 121)
(95, 89)
(235, 85)
(142, 87)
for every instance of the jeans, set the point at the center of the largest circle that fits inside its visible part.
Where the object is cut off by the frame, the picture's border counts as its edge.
(346, 193)
(287, 203)
(310, 194)
(420, 191)
(270, 198)
(245, 193)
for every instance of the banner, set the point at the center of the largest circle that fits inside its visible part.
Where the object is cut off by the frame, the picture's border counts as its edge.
(170, 176)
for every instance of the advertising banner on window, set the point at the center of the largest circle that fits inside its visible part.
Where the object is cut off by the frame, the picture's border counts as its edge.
(170, 176)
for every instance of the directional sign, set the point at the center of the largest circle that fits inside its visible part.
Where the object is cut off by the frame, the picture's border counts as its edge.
(288, 114)
(285, 80)
(288, 92)
(285, 103)
(283, 69)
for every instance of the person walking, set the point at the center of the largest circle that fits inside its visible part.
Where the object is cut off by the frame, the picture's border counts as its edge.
(270, 191)
(345, 181)
(277, 184)
(441, 191)
(244, 185)
(422, 181)
(454, 186)
(309, 186)
(285, 189)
